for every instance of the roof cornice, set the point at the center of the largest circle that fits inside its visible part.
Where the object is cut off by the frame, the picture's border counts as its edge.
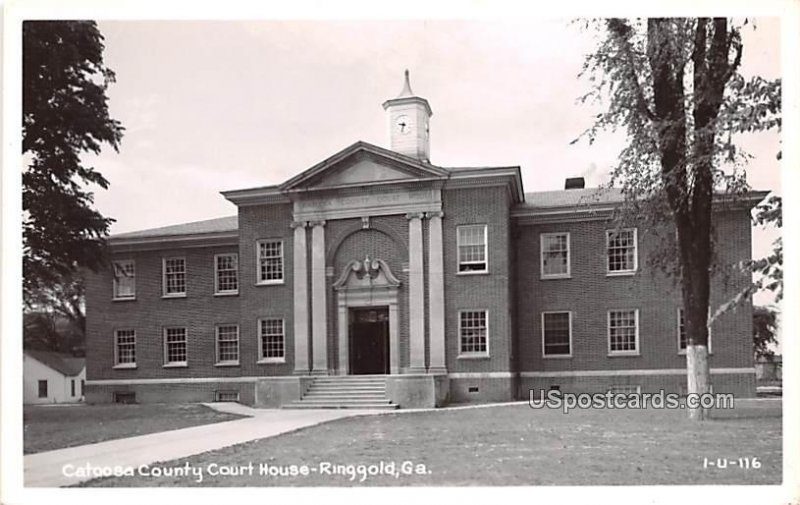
(174, 241)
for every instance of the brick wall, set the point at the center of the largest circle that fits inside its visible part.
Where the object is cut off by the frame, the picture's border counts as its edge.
(589, 294)
(490, 206)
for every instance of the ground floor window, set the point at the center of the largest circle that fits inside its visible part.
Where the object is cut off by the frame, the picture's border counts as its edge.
(43, 388)
(271, 341)
(626, 389)
(227, 344)
(125, 355)
(623, 331)
(473, 332)
(557, 333)
(72, 388)
(175, 346)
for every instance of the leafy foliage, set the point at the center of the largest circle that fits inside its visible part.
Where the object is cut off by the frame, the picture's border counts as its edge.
(65, 113)
(764, 331)
(54, 316)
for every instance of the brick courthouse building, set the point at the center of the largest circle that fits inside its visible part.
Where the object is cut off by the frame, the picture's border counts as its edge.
(376, 278)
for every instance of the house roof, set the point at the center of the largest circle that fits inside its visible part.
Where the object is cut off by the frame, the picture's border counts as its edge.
(65, 364)
(572, 197)
(218, 225)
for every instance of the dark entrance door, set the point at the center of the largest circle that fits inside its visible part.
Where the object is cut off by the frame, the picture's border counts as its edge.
(369, 341)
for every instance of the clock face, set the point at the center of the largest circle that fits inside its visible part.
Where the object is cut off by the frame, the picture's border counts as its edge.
(403, 124)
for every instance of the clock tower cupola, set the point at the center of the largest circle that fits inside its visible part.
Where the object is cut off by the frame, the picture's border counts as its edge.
(409, 123)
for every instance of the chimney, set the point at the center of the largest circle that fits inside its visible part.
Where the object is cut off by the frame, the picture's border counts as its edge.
(574, 183)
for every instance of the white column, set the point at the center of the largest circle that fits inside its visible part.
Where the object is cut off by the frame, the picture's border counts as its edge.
(436, 293)
(300, 299)
(416, 294)
(319, 323)
(344, 348)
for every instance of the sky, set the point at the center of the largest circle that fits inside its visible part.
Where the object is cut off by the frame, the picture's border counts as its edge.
(209, 106)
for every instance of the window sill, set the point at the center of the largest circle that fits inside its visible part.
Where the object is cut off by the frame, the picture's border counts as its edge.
(557, 356)
(621, 273)
(623, 354)
(126, 299)
(182, 364)
(473, 272)
(227, 363)
(271, 361)
(124, 366)
(683, 353)
(180, 295)
(270, 283)
(227, 293)
(555, 277)
(473, 356)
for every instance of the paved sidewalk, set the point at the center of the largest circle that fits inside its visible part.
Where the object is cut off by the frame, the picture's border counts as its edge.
(46, 469)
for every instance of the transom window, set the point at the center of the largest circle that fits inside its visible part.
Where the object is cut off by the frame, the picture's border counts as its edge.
(271, 342)
(174, 346)
(174, 277)
(555, 255)
(472, 249)
(226, 273)
(682, 337)
(623, 331)
(125, 348)
(124, 280)
(473, 332)
(228, 344)
(270, 261)
(557, 333)
(622, 251)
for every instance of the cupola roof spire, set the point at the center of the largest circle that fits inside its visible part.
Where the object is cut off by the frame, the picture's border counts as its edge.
(406, 88)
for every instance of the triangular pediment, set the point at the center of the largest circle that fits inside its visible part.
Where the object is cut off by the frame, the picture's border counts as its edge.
(361, 164)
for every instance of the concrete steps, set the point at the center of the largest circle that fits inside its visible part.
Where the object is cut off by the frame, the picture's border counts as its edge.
(345, 392)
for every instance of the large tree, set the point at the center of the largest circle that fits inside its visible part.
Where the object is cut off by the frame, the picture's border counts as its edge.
(64, 115)
(673, 85)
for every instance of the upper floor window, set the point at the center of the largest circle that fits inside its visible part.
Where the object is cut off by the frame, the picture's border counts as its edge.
(226, 273)
(555, 255)
(271, 341)
(270, 261)
(124, 279)
(174, 276)
(557, 333)
(623, 331)
(472, 250)
(473, 332)
(175, 347)
(125, 349)
(682, 336)
(621, 250)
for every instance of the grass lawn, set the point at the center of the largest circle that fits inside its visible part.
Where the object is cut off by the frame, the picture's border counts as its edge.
(56, 427)
(512, 445)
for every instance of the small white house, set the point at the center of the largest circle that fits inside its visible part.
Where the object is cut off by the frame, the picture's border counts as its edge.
(52, 377)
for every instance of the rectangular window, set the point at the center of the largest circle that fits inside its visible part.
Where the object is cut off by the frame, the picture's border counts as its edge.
(43, 388)
(228, 345)
(270, 261)
(472, 252)
(625, 389)
(557, 333)
(174, 277)
(682, 338)
(555, 255)
(473, 332)
(623, 332)
(124, 280)
(622, 251)
(72, 387)
(271, 342)
(175, 346)
(226, 273)
(125, 356)
(83, 385)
